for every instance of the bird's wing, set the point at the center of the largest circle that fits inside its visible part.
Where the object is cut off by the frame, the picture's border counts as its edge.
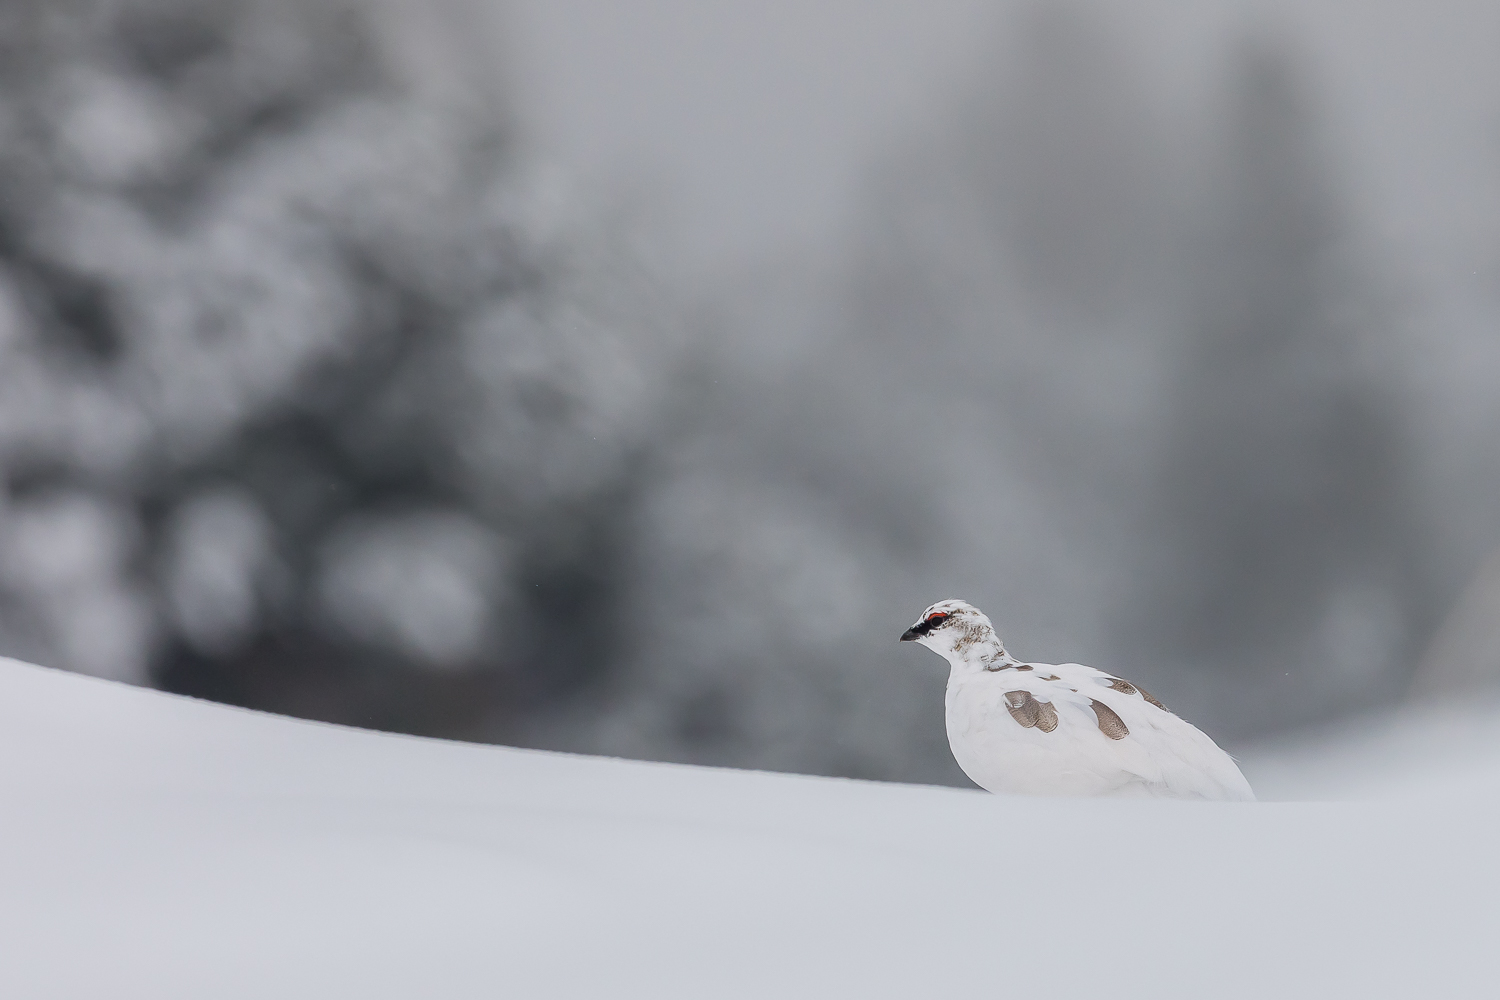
(1140, 737)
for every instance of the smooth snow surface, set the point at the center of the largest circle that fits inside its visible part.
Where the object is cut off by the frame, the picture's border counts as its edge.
(160, 847)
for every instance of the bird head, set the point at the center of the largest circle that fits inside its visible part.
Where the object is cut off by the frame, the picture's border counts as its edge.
(954, 629)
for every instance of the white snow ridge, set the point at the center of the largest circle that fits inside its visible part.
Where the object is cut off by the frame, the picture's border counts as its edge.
(160, 847)
(1063, 728)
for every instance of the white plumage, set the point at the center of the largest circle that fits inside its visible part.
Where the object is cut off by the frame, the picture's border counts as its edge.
(1063, 729)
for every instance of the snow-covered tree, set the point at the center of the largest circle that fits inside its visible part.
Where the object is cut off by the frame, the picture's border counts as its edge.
(1286, 514)
(313, 396)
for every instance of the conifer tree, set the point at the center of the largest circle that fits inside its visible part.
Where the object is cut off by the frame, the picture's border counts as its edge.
(1289, 539)
(312, 398)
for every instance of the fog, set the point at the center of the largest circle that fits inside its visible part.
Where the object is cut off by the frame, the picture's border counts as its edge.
(543, 375)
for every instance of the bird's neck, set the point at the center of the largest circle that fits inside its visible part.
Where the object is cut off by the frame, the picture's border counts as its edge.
(979, 652)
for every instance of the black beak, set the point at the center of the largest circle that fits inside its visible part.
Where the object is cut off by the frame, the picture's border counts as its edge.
(911, 634)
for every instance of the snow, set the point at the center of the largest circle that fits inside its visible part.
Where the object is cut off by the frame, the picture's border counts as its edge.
(156, 846)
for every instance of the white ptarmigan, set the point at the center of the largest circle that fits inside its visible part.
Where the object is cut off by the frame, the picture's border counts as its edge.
(1063, 729)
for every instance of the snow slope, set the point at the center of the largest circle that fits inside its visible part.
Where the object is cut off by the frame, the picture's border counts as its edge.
(159, 847)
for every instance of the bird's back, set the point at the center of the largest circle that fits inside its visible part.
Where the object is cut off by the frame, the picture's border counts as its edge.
(1069, 729)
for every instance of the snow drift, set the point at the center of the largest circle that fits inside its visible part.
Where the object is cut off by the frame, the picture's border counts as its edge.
(157, 846)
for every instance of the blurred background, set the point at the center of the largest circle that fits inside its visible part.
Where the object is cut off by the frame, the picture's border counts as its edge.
(624, 378)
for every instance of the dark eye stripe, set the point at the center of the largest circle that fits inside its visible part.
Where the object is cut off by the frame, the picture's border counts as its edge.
(931, 622)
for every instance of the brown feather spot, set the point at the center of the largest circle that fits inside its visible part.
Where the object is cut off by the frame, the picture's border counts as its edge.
(1110, 724)
(1023, 666)
(1124, 687)
(1049, 677)
(1029, 712)
(1147, 695)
